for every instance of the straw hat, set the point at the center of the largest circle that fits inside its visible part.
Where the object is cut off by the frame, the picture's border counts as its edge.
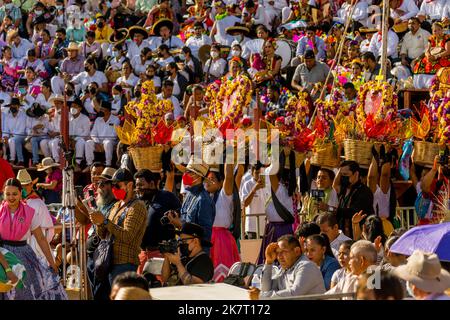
(73, 46)
(46, 164)
(56, 97)
(11, 34)
(238, 27)
(162, 23)
(107, 174)
(24, 177)
(200, 169)
(137, 29)
(119, 36)
(132, 293)
(424, 271)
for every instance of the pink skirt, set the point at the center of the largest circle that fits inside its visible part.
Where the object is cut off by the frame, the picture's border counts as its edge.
(224, 252)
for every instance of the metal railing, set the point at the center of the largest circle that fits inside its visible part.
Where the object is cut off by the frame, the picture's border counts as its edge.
(334, 296)
(407, 216)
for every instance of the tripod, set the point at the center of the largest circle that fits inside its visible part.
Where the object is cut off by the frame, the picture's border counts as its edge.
(74, 277)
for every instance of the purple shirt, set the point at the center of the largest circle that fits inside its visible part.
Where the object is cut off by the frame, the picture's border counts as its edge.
(55, 175)
(73, 67)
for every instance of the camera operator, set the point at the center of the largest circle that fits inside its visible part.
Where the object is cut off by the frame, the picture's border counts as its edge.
(324, 198)
(157, 202)
(190, 263)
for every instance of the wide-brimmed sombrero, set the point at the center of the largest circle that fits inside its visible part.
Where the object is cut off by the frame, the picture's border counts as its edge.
(36, 110)
(118, 36)
(238, 27)
(203, 53)
(162, 23)
(367, 30)
(136, 29)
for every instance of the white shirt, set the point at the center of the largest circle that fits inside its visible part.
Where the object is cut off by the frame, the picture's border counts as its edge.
(105, 130)
(134, 49)
(283, 197)
(84, 79)
(37, 65)
(415, 44)
(360, 13)
(381, 200)
(177, 111)
(132, 81)
(44, 220)
(20, 52)
(164, 62)
(217, 68)
(446, 12)
(172, 42)
(256, 206)
(376, 44)
(55, 122)
(116, 105)
(433, 9)
(79, 127)
(32, 122)
(15, 124)
(195, 43)
(224, 210)
(137, 65)
(258, 18)
(364, 46)
(336, 243)
(221, 25)
(410, 9)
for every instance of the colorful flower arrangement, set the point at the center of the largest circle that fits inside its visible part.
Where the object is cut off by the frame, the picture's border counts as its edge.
(146, 114)
(238, 90)
(389, 101)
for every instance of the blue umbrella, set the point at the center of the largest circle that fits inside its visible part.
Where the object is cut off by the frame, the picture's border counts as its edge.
(433, 238)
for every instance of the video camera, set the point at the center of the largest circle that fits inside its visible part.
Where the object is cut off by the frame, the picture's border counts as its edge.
(168, 246)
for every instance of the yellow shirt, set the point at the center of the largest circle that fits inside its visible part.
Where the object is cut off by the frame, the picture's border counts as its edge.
(103, 35)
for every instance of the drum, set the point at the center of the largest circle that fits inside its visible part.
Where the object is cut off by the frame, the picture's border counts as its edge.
(285, 51)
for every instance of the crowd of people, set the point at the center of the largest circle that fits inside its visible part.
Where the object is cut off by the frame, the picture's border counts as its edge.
(323, 230)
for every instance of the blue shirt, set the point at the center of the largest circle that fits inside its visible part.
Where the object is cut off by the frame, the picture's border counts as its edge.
(328, 267)
(303, 45)
(199, 208)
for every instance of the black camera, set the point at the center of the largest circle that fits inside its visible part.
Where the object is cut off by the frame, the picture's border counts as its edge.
(317, 194)
(168, 246)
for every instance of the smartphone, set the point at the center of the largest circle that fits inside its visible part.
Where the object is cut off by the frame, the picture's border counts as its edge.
(91, 199)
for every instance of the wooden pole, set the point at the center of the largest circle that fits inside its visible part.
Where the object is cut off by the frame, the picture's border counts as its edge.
(385, 30)
(64, 128)
(256, 124)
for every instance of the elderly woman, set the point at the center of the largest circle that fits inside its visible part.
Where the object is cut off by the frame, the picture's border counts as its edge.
(437, 54)
(17, 222)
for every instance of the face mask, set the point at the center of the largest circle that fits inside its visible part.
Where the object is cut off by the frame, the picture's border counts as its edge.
(239, 37)
(24, 194)
(100, 114)
(73, 111)
(59, 7)
(69, 92)
(100, 25)
(116, 97)
(235, 53)
(184, 250)
(108, 5)
(14, 110)
(214, 54)
(38, 12)
(182, 57)
(22, 91)
(345, 182)
(119, 194)
(187, 179)
(115, 54)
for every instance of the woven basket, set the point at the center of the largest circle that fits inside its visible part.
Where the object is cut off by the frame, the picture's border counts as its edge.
(147, 158)
(424, 153)
(359, 151)
(327, 156)
(299, 157)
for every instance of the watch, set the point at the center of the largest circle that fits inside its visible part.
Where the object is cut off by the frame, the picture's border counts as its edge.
(105, 222)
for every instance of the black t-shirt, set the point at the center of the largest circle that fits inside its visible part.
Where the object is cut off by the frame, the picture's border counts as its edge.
(156, 232)
(201, 266)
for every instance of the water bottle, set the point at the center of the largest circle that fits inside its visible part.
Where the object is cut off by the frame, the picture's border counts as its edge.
(256, 281)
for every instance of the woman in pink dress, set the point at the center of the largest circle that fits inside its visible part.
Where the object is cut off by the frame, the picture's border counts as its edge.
(17, 223)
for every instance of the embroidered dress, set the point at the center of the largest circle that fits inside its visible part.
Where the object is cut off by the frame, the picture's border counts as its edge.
(425, 66)
(40, 282)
